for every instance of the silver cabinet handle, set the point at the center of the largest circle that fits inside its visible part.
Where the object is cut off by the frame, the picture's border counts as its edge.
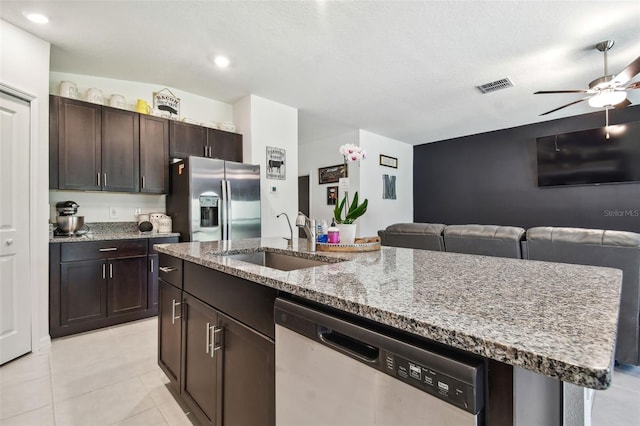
(151, 265)
(105, 179)
(142, 182)
(98, 179)
(111, 270)
(173, 311)
(212, 346)
(205, 151)
(215, 345)
(109, 249)
(208, 340)
(104, 275)
(167, 269)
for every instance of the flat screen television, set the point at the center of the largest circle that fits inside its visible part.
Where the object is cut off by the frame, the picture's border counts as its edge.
(588, 157)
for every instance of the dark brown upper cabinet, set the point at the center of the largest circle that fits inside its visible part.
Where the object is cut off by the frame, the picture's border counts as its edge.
(120, 150)
(78, 144)
(154, 154)
(225, 145)
(188, 139)
(93, 147)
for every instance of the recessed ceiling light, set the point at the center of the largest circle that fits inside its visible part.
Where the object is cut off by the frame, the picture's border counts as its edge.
(221, 61)
(38, 18)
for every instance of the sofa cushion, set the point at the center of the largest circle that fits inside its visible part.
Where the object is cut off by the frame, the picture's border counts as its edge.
(487, 240)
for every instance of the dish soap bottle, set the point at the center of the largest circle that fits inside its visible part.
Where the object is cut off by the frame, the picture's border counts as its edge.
(322, 232)
(333, 233)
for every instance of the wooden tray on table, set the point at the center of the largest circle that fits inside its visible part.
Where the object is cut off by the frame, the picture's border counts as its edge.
(359, 245)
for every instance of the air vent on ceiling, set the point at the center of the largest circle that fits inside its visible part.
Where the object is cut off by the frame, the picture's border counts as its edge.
(503, 83)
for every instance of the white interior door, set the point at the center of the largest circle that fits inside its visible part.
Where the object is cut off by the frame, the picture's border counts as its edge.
(15, 306)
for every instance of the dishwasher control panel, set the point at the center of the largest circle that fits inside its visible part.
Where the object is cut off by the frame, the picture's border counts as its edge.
(432, 381)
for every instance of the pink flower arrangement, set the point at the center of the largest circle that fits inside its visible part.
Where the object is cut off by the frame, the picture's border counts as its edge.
(352, 153)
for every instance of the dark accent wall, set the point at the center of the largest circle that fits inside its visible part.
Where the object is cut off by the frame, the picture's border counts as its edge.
(491, 178)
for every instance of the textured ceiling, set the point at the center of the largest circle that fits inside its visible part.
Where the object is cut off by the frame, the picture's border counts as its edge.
(405, 70)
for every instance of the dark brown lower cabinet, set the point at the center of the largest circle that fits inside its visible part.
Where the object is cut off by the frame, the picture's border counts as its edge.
(226, 362)
(96, 284)
(127, 285)
(201, 361)
(83, 291)
(249, 371)
(170, 331)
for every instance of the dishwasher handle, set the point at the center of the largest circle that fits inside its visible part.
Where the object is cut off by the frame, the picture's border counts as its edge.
(349, 345)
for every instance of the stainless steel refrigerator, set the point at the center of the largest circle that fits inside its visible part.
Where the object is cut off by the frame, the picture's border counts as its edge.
(212, 199)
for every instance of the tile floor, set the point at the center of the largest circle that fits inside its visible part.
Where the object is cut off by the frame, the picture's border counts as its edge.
(106, 377)
(111, 377)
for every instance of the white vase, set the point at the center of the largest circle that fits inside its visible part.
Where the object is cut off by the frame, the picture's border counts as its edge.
(347, 232)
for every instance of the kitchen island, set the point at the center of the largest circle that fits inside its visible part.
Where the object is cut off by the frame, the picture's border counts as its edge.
(557, 320)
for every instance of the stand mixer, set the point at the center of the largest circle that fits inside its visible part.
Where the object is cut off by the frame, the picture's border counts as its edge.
(68, 223)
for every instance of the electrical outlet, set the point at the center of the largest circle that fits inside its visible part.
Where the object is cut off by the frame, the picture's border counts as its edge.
(137, 211)
(114, 213)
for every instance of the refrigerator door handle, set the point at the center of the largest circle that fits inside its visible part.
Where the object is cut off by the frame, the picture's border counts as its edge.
(229, 216)
(223, 211)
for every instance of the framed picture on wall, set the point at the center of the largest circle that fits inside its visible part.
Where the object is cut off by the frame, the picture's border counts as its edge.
(331, 174)
(332, 195)
(275, 163)
(387, 161)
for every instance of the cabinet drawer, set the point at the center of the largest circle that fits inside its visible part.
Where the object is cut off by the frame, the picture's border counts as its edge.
(109, 249)
(160, 240)
(170, 269)
(246, 301)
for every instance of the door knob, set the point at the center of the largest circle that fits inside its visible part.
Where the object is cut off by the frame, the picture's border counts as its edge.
(9, 242)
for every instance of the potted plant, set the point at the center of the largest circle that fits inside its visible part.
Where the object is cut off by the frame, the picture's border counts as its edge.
(345, 213)
(353, 212)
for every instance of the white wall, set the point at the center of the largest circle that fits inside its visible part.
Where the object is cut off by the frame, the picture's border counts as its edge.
(364, 177)
(275, 125)
(324, 153)
(380, 212)
(95, 206)
(24, 66)
(192, 106)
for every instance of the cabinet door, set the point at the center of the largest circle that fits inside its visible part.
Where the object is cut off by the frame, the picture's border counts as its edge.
(79, 145)
(127, 285)
(154, 154)
(169, 331)
(83, 291)
(120, 150)
(249, 375)
(201, 361)
(187, 139)
(152, 282)
(225, 145)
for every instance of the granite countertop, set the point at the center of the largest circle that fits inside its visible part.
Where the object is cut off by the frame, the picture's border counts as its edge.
(102, 231)
(551, 318)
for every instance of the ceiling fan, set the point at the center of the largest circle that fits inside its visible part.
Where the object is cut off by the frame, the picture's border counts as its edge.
(608, 91)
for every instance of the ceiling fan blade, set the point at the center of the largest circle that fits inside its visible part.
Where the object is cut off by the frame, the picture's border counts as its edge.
(622, 104)
(564, 106)
(632, 86)
(629, 72)
(547, 92)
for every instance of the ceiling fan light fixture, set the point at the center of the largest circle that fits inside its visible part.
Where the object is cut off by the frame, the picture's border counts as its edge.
(607, 98)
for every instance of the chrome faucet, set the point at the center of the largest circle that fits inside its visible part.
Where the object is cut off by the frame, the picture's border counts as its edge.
(289, 240)
(309, 227)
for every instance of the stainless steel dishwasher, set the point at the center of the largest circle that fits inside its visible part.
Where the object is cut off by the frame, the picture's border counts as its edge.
(332, 372)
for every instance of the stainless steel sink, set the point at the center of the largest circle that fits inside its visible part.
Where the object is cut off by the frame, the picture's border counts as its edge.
(279, 261)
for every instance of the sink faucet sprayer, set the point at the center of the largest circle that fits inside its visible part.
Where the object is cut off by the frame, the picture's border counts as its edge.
(309, 227)
(289, 240)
